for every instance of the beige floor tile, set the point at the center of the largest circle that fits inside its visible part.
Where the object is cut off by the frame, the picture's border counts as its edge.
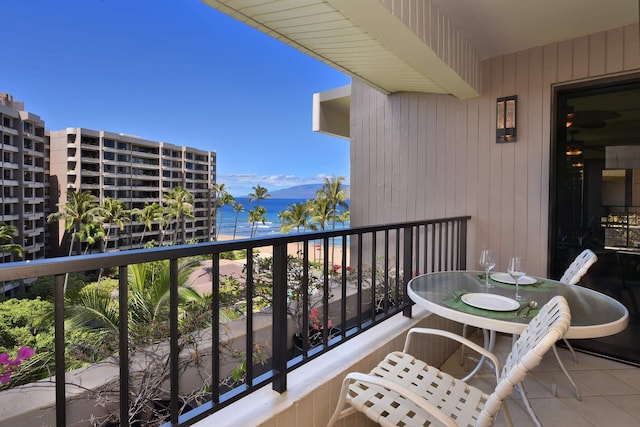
(600, 412)
(610, 390)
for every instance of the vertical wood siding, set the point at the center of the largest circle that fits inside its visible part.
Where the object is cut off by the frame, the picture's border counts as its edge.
(417, 156)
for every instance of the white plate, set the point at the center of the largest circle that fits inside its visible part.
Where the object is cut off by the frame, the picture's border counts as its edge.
(490, 302)
(505, 278)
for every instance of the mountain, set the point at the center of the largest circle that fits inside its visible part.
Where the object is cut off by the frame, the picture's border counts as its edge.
(307, 191)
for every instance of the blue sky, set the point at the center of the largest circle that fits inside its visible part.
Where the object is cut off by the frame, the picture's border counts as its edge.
(176, 71)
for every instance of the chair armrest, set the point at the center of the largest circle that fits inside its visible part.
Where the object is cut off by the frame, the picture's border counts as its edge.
(405, 392)
(462, 340)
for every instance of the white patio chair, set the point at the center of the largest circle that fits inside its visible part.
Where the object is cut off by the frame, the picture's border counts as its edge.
(403, 390)
(572, 276)
(579, 267)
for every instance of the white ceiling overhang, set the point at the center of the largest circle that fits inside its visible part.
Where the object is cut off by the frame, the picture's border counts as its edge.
(424, 45)
(369, 41)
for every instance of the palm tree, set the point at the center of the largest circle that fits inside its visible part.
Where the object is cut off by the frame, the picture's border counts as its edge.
(150, 213)
(321, 212)
(297, 216)
(149, 302)
(257, 215)
(79, 210)
(90, 233)
(237, 208)
(7, 233)
(179, 204)
(113, 214)
(224, 199)
(336, 198)
(259, 193)
(221, 197)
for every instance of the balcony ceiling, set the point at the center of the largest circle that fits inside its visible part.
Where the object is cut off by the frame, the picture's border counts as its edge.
(363, 39)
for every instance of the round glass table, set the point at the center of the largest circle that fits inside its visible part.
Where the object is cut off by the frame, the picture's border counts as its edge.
(593, 314)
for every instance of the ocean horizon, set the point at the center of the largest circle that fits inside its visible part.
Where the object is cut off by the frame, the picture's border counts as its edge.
(272, 225)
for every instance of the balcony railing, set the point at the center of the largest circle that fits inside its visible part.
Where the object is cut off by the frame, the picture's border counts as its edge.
(363, 287)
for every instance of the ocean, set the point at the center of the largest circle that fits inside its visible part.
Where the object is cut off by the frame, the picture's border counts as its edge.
(269, 228)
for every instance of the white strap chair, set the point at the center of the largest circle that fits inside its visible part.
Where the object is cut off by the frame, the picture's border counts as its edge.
(403, 390)
(572, 276)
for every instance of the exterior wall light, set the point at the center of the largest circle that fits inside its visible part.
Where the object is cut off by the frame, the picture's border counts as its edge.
(506, 119)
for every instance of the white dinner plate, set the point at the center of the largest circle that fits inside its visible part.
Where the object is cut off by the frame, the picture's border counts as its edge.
(505, 278)
(490, 302)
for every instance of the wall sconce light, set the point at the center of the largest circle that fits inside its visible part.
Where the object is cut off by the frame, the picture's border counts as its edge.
(506, 119)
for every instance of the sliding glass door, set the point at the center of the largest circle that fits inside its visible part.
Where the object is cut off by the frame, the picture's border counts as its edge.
(596, 196)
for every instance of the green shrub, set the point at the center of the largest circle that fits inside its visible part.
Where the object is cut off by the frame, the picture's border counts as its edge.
(233, 255)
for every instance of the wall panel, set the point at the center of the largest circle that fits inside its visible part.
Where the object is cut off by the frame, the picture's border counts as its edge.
(418, 156)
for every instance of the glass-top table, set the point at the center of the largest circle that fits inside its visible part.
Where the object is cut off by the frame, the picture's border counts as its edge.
(593, 314)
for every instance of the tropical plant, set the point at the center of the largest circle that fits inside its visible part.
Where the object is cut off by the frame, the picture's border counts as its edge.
(179, 206)
(222, 198)
(148, 215)
(388, 291)
(149, 285)
(8, 365)
(7, 234)
(29, 323)
(257, 215)
(321, 212)
(113, 214)
(90, 233)
(297, 216)
(259, 193)
(297, 285)
(79, 210)
(336, 198)
(237, 208)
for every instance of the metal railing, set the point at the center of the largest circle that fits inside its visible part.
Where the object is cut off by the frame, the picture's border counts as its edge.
(364, 287)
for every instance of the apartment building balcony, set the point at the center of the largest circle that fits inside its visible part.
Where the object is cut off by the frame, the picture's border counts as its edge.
(312, 377)
(393, 249)
(9, 130)
(10, 147)
(11, 199)
(10, 182)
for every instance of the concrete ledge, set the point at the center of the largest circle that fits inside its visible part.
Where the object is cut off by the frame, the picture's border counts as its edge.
(312, 390)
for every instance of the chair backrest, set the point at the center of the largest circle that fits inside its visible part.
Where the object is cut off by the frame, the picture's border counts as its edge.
(540, 335)
(579, 267)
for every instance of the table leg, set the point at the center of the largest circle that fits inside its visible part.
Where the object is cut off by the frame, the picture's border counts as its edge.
(527, 405)
(489, 344)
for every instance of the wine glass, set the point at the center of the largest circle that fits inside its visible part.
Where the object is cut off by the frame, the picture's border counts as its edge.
(517, 268)
(487, 262)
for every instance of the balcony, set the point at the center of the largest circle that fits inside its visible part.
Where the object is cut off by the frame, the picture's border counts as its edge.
(343, 293)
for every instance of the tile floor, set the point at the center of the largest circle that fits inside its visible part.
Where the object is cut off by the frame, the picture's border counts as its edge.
(610, 390)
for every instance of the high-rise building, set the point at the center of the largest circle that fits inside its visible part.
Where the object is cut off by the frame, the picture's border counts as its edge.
(137, 172)
(23, 179)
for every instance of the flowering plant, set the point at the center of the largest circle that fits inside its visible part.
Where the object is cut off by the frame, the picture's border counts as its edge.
(8, 365)
(314, 320)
